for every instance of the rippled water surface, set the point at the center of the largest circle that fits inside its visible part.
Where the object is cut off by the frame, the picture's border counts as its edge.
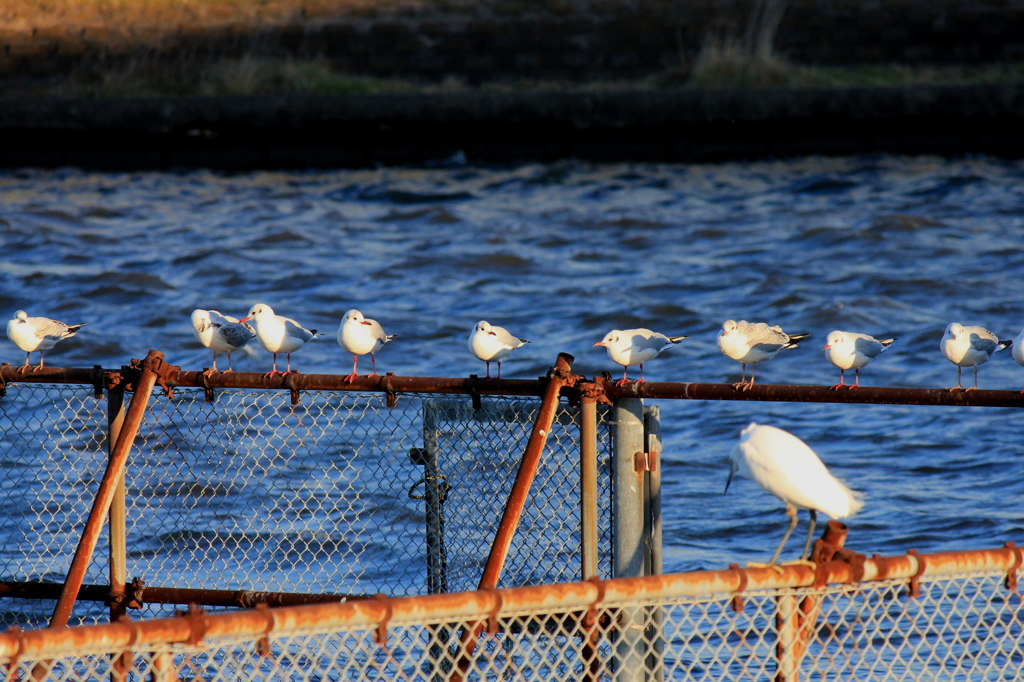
(561, 253)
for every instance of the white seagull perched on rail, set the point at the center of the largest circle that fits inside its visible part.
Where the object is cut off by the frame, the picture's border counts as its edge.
(969, 347)
(220, 333)
(850, 350)
(635, 347)
(32, 334)
(786, 467)
(491, 343)
(278, 334)
(753, 342)
(359, 336)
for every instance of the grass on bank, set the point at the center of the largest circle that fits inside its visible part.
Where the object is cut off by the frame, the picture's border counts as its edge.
(253, 75)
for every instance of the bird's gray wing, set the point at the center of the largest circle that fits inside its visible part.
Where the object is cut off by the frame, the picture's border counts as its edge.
(235, 334)
(650, 341)
(296, 330)
(868, 347)
(763, 337)
(377, 331)
(505, 338)
(47, 328)
(983, 343)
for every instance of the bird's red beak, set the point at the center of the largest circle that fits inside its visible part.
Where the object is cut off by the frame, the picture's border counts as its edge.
(599, 343)
(244, 319)
(827, 346)
(367, 323)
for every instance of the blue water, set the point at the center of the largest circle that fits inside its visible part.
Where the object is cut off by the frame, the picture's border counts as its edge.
(561, 253)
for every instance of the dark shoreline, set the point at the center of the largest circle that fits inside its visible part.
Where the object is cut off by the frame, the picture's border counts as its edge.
(323, 131)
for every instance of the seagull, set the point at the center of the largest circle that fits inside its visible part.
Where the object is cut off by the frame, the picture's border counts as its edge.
(969, 347)
(850, 350)
(783, 465)
(492, 344)
(635, 347)
(747, 342)
(360, 336)
(278, 334)
(32, 334)
(220, 333)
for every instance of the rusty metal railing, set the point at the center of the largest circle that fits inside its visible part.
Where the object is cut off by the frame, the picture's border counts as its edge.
(389, 384)
(915, 617)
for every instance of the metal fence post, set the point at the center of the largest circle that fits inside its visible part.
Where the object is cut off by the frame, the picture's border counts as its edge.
(652, 538)
(628, 513)
(117, 528)
(434, 494)
(588, 481)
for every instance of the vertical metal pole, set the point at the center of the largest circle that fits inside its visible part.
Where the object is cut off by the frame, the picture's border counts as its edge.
(628, 559)
(627, 416)
(588, 482)
(117, 529)
(105, 493)
(437, 559)
(434, 492)
(652, 537)
(117, 524)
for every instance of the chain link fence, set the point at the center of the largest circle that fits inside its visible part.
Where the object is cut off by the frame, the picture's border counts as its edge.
(338, 494)
(965, 625)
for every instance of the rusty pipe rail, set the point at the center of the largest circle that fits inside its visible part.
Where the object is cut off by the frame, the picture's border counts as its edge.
(472, 385)
(480, 605)
(867, 395)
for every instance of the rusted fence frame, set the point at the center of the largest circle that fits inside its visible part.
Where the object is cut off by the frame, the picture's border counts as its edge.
(373, 614)
(472, 385)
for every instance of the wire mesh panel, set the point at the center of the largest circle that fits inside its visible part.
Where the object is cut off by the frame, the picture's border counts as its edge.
(252, 492)
(964, 627)
(53, 450)
(471, 458)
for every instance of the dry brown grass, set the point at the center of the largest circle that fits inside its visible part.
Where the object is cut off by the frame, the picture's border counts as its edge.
(174, 14)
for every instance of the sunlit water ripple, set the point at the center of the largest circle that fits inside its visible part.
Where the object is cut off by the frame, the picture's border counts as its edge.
(560, 253)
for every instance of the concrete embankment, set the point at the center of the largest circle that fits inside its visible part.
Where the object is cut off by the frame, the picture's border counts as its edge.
(660, 125)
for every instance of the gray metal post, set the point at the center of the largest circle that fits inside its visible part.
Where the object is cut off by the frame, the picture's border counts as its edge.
(435, 491)
(628, 508)
(588, 486)
(652, 536)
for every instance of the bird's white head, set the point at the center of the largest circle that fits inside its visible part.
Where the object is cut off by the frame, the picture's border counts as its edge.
(953, 331)
(353, 316)
(257, 311)
(833, 340)
(728, 327)
(611, 339)
(20, 316)
(200, 318)
(483, 326)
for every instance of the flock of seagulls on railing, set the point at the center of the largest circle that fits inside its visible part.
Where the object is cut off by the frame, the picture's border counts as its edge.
(748, 343)
(779, 462)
